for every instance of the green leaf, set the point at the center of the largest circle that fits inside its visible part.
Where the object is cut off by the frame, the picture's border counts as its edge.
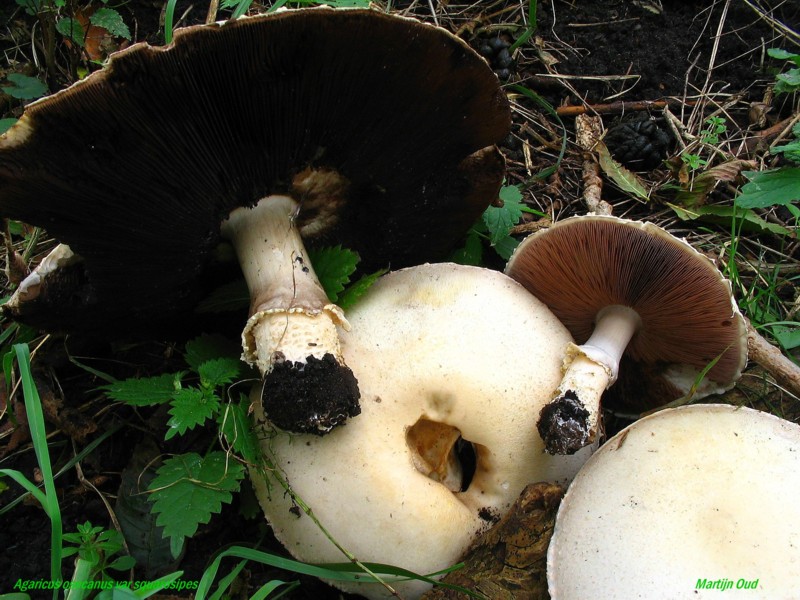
(24, 87)
(626, 180)
(770, 188)
(238, 430)
(353, 293)
(782, 54)
(505, 247)
(71, 29)
(210, 347)
(334, 266)
(190, 407)
(110, 20)
(725, 215)
(787, 82)
(219, 371)
(472, 252)
(6, 124)
(189, 489)
(500, 220)
(122, 563)
(145, 391)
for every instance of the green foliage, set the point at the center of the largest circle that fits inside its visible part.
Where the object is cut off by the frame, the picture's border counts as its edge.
(791, 151)
(71, 29)
(189, 488)
(23, 87)
(190, 405)
(715, 128)
(770, 188)
(145, 391)
(110, 20)
(6, 124)
(494, 229)
(97, 546)
(334, 266)
(789, 81)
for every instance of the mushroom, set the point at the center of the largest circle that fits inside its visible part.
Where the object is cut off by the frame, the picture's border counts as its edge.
(319, 125)
(629, 287)
(443, 446)
(685, 503)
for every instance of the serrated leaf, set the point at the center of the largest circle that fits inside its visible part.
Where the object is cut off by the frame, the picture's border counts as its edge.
(724, 215)
(334, 266)
(145, 391)
(24, 87)
(237, 428)
(190, 407)
(500, 220)
(72, 30)
(626, 180)
(110, 20)
(770, 188)
(189, 489)
(210, 347)
(219, 371)
(226, 298)
(354, 292)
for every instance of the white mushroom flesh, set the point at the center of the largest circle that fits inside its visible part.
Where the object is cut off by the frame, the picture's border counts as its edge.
(684, 504)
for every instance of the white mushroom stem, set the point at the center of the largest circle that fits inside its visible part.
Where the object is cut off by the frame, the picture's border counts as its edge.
(291, 317)
(589, 369)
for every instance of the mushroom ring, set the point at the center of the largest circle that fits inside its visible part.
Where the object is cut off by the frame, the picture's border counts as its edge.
(454, 364)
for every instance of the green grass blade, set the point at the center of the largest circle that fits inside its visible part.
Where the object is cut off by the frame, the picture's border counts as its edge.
(169, 19)
(33, 408)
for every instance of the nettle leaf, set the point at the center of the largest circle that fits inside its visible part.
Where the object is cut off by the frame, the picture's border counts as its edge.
(23, 87)
(353, 293)
(145, 391)
(219, 371)
(500, 220)
(334, 266)
(770, 188)
(110, 20)
(237, 428)
(189, 489)
(190, 407)
(71, 29)
(210, 347)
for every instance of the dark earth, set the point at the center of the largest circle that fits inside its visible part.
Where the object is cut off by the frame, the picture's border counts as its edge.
(598, 53)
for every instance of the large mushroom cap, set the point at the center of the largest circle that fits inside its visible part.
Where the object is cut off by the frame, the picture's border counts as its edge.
(136, 166)
(440, 352)
(688, 318)
(686, 503)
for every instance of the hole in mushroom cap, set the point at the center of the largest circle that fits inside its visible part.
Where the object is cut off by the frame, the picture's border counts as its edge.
(440, 453)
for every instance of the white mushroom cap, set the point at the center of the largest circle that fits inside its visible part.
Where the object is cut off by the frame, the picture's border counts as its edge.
(684, 504)
(440, 351)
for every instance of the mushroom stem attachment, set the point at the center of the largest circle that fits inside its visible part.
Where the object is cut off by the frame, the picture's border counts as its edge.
(569, 422)
(291, 335)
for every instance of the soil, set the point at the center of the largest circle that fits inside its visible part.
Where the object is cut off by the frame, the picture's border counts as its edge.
(597, 53)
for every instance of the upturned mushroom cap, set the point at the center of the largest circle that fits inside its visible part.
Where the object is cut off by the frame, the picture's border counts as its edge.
(685, 503)
(317, 125)
(381, 127)
(441, 352)
(630, 287)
